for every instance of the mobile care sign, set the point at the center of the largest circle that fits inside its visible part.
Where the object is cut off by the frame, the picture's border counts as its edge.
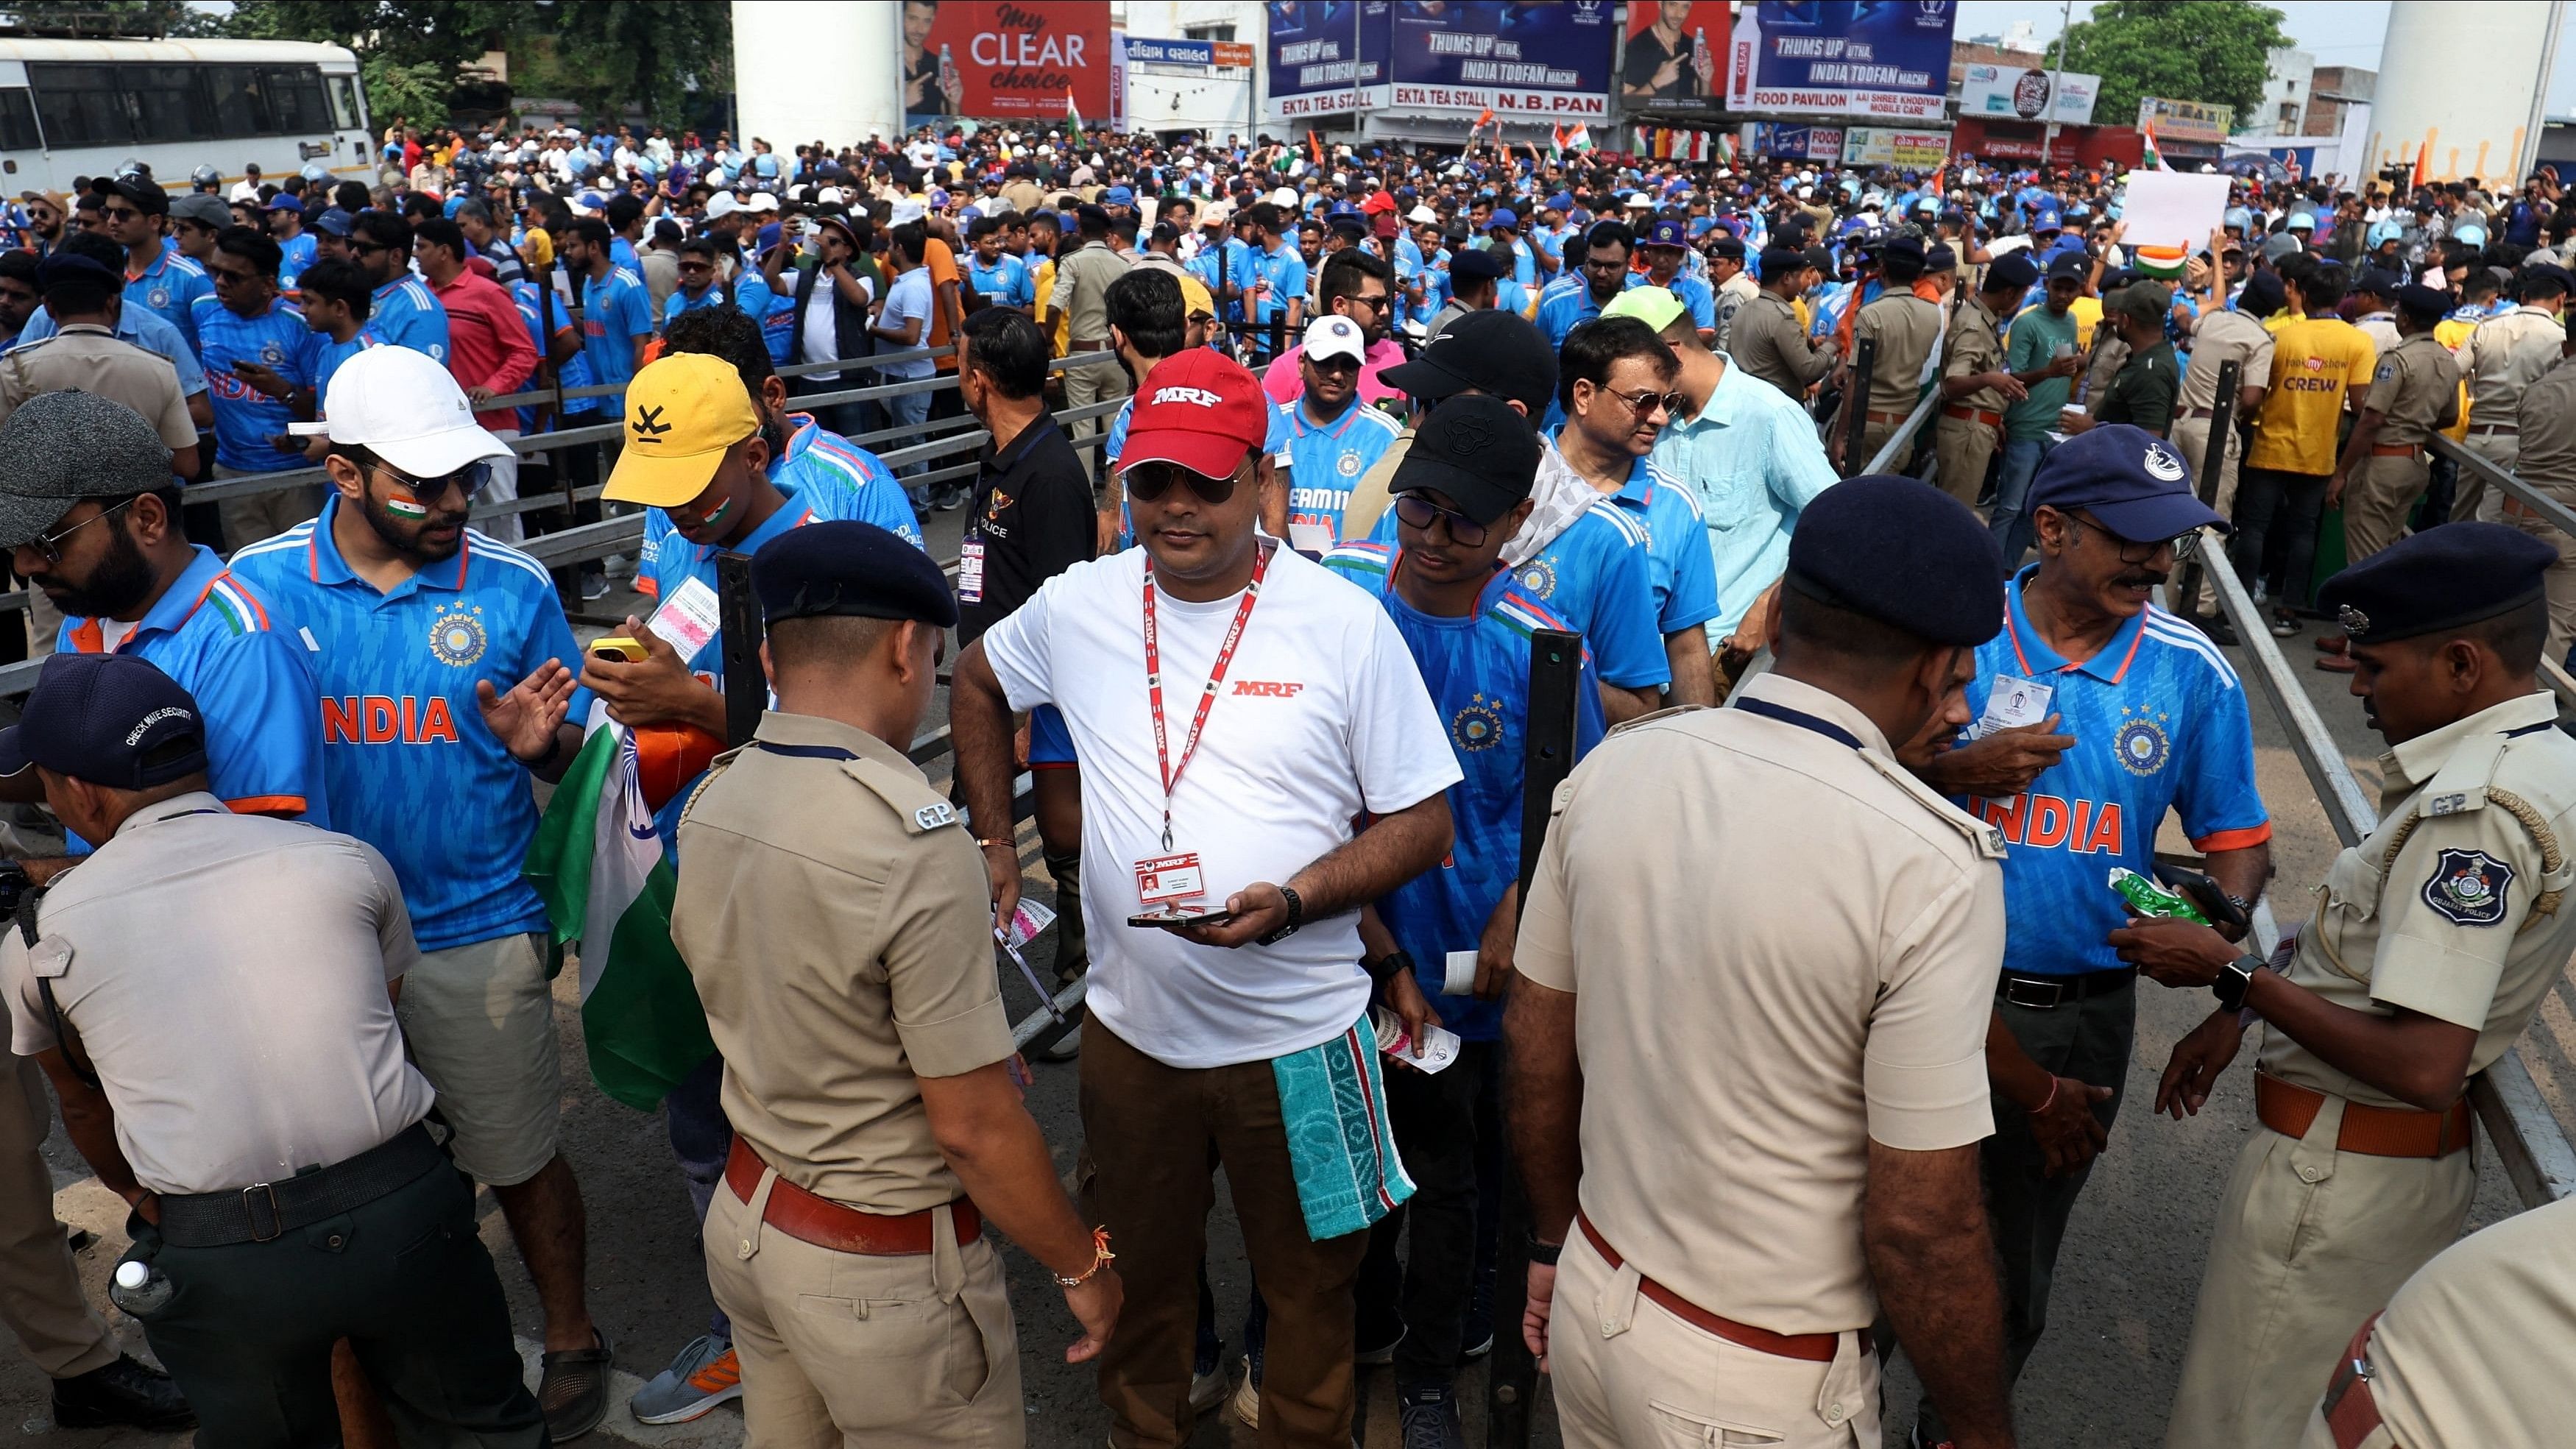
(1885, 59)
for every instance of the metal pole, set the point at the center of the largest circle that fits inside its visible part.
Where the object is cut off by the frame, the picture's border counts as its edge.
(746, 686)
(1856, 403)
(2056, 78)
(2213, 458)
(1547, 757)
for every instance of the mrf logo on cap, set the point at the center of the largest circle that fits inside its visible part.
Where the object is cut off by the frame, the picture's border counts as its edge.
(1199, 410)
(1194, 396)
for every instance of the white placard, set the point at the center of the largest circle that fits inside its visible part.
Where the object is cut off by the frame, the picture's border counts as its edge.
(2173, 208)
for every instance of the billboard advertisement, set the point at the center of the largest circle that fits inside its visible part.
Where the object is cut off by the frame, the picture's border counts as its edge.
(2186, 123)
(1874, 58)
(2010, 93)
(1905, 150)
(1326, 56)
(1531, 58)
(1674, 49)
(994, 58)
(1821, 144)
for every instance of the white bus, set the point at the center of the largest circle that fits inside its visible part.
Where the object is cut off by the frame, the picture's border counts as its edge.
(75, 108)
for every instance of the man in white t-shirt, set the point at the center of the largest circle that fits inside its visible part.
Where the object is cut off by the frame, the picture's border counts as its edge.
(1277, 727)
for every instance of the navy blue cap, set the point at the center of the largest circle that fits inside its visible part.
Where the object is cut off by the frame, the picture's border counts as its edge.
(1904, 553)
(111, 719)
(1730, 248)
(2012, 269)
(1903, 246)
(1780, 261)
(1488, 350)
(1666, 232)
(2443, 577)
(1476, 262)
(2133, 481)
(1938, 257)
(2377, 282)
(334, 221)
(71, 267)
(845, 567)
(2070, 264)
(2417, 300)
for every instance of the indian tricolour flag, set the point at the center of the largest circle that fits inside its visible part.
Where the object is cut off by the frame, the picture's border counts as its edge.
(1071, 114)
(2149, 158)
(598, 865)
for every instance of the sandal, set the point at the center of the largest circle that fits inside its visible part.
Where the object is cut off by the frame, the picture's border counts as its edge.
(572, 1388)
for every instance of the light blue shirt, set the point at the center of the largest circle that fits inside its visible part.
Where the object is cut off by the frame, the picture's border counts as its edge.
(1752, 460)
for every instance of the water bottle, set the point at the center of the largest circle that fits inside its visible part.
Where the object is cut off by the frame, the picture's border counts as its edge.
(140, 1289)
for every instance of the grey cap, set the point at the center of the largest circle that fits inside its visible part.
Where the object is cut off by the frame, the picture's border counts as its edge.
(204, 208)
(62, 447)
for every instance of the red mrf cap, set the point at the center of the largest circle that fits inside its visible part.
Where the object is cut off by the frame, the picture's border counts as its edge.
(1199, 410)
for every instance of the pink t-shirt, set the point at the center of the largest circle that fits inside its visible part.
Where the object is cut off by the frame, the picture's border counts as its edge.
(1285, 383)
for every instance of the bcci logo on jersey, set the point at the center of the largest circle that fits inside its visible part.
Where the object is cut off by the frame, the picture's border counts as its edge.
(456, 636)
(1538, 576)
(2141, 744)
(1479, 726)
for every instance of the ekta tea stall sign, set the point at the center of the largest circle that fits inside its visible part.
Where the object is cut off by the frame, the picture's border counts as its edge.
(1035, 59)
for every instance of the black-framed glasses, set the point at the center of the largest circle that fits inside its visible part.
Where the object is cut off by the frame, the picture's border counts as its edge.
(2134, 553)
(1416, 510)
(367, 248)
(470, 479)
(119, 213)
(1376, 303)
(1645, 402)
(1147, 482)
(51, 544)
(1339, 362)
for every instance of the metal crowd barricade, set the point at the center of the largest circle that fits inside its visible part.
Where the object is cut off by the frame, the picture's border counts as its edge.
(2558, 515)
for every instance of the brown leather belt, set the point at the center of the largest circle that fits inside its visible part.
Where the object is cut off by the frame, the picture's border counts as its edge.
(2288, 1108)
(1090, 344)
(2350, 1409)
(2200, 412)
(2476, 428)
(1885, 417)
(1974, 415)
(2393, 450)
(1812, 1347)
(2513, 507)
(826, 1224)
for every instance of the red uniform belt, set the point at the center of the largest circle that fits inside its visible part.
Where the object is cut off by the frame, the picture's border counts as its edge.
(1813, 1347)
(1974, 415)
(2200, 412)
(2288, 1108)
(2393, 450)
(2351, 1410)
(826, 1224)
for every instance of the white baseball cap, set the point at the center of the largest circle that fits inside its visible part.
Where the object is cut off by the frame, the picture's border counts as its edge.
(1422, 216)
(1285, 196)
(828, 196)
(1328, 336)
(761, 201)
(405, 407)
(722, 204)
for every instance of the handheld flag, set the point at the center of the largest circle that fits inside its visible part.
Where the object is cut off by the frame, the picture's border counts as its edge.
(2151, 159)
(1070, 113)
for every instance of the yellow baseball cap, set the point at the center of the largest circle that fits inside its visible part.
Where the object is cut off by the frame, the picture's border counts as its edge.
(682, 411)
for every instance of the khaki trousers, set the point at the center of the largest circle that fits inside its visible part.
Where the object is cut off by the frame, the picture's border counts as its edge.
(849, 1349)
(1964, 447)
(2383, 491)
(40, 1291)
(1873, 436)
(2191, 439)
(2310, 1242)
(1093, 382)
(1629, 1374)
(264, 515)
(2560, 581)
(2472, 500)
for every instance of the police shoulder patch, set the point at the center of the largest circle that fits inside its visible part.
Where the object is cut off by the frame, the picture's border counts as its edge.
(2468, 887)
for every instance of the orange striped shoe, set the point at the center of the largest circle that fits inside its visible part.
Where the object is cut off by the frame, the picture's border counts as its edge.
(705, 1374)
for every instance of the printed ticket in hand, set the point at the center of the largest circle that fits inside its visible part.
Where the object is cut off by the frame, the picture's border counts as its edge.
(687, 619)
(1439, 1043)
(2013, 703)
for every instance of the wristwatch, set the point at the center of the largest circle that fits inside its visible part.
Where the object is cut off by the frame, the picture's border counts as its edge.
(1388, 967)
(1296, 918)
(2233, 979)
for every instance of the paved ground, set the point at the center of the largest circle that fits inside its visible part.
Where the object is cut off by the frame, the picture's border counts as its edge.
(2102, 1379)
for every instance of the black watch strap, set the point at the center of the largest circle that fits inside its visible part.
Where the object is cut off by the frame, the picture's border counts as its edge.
(2233, 980)
(1389, 966)
(1296, 918)
(1545, 1253)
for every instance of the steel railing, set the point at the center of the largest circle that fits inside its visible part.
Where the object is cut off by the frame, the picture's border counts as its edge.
(2558, 515)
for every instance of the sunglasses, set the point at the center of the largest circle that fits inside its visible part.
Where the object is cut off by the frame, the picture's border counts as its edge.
(1416, 510)
(1646, 402)
(51, 544)
(1147, 482)
(469, 480)
(367, 248)
(2133, 553)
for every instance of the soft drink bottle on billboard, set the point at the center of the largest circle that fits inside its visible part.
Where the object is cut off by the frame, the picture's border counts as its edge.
(949, 84)
(1703, 64)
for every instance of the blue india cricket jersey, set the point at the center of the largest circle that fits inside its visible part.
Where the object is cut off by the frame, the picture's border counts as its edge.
(816, 454)
(616, 311)
(1477, 669)
(1006, 282)
(170, 287)
(403, 739)
(1597, 576)
(246, 418)
(1564, 305)
(1693, 293)
(1679, 567)
(215, 635)
(408, 314)
(294, 255)
(1323, 463)
(328, 355)
(2160, 724)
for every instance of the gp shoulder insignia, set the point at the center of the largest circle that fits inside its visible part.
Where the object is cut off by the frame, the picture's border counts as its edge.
(1562, 797)
(932, 816)
(920, 808)
(2468, 887)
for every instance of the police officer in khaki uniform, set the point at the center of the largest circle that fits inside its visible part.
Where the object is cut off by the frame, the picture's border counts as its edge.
(1765, 338)
(2414, 394)
(2471, 1351)
(1975, 383)
(1777, 1141)
(2222, 335)
(834, 915)
(2546, 459)
(1907, 329)
(2503, 357)
(2436, 939)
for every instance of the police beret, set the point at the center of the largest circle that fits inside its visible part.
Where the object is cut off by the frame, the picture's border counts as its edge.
(2417, 300)
(2377, 282)
(1476, 262)
(845, 567)
(2565, 279)
(1940, 258)
(1778, 262)
(1903, 247)
(2012, 269)
(1904, 553)
(71, 268)
(2438, 579)
(1729, 247)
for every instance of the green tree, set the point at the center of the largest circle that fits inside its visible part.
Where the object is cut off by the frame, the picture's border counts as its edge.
(110, 17)
(647, 54)
(2213, 51)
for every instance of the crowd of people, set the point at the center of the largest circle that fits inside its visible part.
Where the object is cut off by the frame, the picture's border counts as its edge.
(1800, 1030)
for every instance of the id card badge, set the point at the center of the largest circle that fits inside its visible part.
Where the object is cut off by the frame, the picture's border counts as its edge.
(2014, 702)
(970, 571)
(1169, 880)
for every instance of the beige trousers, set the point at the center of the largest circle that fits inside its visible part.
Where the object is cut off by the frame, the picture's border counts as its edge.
(264, 515)
(1094, 382)
(1628, 1373)
(2377, 500)
(2310, 1242)
(845, 1349)
(1964, 447)
(40, 1291)
(2560, 581)
(2191, 439)
(2473, 500)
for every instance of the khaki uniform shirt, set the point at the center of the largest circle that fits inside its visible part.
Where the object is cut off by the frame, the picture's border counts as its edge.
(2416, 391)
(1767, 342)
(1730, 1095)
(1976, 345)
(1022, 195)
(90, 357)
(226, 976)
(1081, 290)
(1907, 329)
(2440, 910)
(2506, 355)
(835, 917)
(2548, 415)
(1739, 291)
(2472, 1349)
(2224, 336)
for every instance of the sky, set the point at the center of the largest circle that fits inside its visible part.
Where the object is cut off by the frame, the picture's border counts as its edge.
(2336, 32)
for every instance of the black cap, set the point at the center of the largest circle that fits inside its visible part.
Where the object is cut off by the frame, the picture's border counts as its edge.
(2377, 282)
(1476, 262)
(1904, 553)
(1897, 247)
(2136, 483)
(111, 719)
(71, 268)
(2425, 304)
(1821, 258)
(2070, 264)
(2263, 295)
(2012, 269)
(1729, 247)
(1490, 351)
(666, 230)
(1778, 262)
(2438, 579)
(1475, 450)
(147, 197)
(845, 567)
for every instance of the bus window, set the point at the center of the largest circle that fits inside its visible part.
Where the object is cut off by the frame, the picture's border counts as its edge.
(240, 106)
(345, 114)
(80, 105)
(295, 100)
(18, 122)
(166, 104)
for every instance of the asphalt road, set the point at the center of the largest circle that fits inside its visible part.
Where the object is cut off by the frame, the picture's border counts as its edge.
(2102, 1378)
